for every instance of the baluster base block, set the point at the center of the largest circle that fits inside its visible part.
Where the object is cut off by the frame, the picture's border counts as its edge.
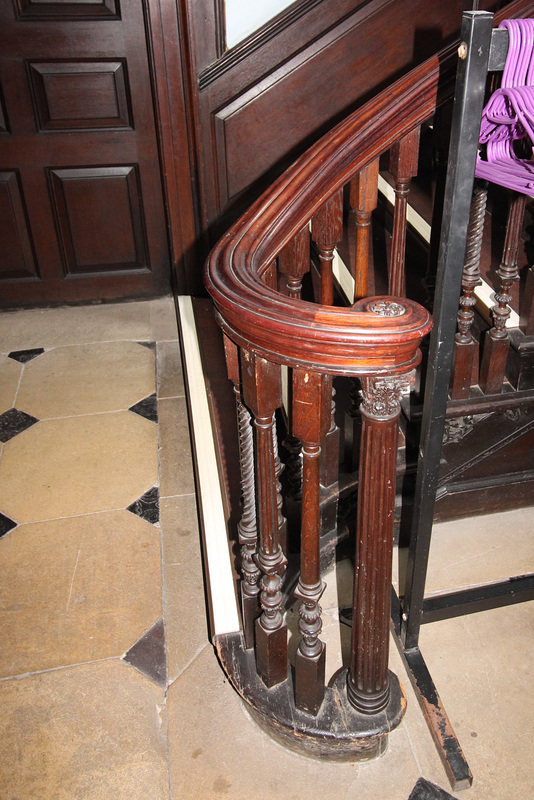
(337, 733)
(271, 654)
(309, 681)
(250, 611)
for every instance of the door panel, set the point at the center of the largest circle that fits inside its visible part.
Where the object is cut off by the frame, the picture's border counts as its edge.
(80, 180)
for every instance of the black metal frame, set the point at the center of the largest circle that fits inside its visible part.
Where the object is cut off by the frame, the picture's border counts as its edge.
(483, 49)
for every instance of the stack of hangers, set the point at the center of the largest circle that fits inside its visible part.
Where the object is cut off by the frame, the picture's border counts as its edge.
(507, 129)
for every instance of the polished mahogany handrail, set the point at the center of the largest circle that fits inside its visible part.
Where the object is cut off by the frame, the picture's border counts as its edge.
(340, 341)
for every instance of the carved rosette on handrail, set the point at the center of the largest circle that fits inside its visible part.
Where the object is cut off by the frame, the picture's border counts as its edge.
(376, 340)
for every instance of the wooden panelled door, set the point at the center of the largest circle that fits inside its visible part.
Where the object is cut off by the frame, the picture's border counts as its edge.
(82, 215)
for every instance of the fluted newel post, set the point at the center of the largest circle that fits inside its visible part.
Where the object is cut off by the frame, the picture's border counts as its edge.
(326, 232)
(362, 201)
(262, 393)
(311, 413)
(465, 346)
(294, 262)
(497, 341)
(403, 166)
(246, 528)
(368, 680)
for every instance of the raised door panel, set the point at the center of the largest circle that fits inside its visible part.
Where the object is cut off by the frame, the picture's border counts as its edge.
(17, 258)
(82, 134)
(68, 9)
(99, 218)
(74, 95)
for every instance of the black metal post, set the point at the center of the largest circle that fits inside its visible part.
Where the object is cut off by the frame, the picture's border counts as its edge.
(474, 54)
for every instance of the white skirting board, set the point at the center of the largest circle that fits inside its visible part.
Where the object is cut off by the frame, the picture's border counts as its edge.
(224, 613)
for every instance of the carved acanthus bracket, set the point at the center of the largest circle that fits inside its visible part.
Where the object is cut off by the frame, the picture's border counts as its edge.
(381, 396)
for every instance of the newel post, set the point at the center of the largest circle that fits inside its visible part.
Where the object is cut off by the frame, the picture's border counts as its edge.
(368, 680)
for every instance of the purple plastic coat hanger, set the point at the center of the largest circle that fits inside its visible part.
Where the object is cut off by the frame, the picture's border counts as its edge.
(509, 115)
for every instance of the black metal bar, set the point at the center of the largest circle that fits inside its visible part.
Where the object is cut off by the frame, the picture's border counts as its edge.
(473, 62)
(479, 598)
(445, 739)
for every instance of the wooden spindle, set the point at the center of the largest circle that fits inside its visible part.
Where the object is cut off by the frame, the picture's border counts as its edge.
(270, 276)
(294, 262)
(368, 680)
(497, 340)
(404, 156)
(465, 346)
(311, 417)
(247, 526)
(262, 393)
(329, 470)
(362, 202)
(326, 232)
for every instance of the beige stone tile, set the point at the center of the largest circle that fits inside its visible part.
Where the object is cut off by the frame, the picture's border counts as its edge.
(223, 752)
(482, 667)
(93, 731)
(163, 320)
(175, 460)
(78, 465)
(87, 379)
(184, 604)
(170, 376)
(77, 589)
(53, 327)
(481, 549)
(10, 372)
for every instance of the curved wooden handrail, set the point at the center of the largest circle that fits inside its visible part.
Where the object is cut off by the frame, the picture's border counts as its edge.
(336, 340)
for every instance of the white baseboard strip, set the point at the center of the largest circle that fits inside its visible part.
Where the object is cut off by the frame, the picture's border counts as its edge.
(224, 614)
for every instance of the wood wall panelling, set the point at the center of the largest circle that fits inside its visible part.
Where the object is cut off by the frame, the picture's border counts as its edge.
(68, 9)
(99, 219)
(4, 127)
(79, 97)
(17, 259)
(81, 94)
(262, 103)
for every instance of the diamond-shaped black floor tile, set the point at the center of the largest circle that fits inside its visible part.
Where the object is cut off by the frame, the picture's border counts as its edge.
(26, 355)
(149, 656)
(147, 408)
(424, 790)
(6, 525)
(150, 345)
(147, 506)
(13, 422)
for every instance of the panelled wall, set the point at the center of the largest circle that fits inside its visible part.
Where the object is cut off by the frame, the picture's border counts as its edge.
(131, 137)
(82, 213)
(264, 101)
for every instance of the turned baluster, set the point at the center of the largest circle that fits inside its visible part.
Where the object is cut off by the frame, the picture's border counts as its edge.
(311, 415)
(326, 232)
(329, 470)
(294, 262)
(362, 201)
(270, 276)
(466, 348)
(403, 162)
(262, 393)
(246, 527)
(497, 340)
(368, 680)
